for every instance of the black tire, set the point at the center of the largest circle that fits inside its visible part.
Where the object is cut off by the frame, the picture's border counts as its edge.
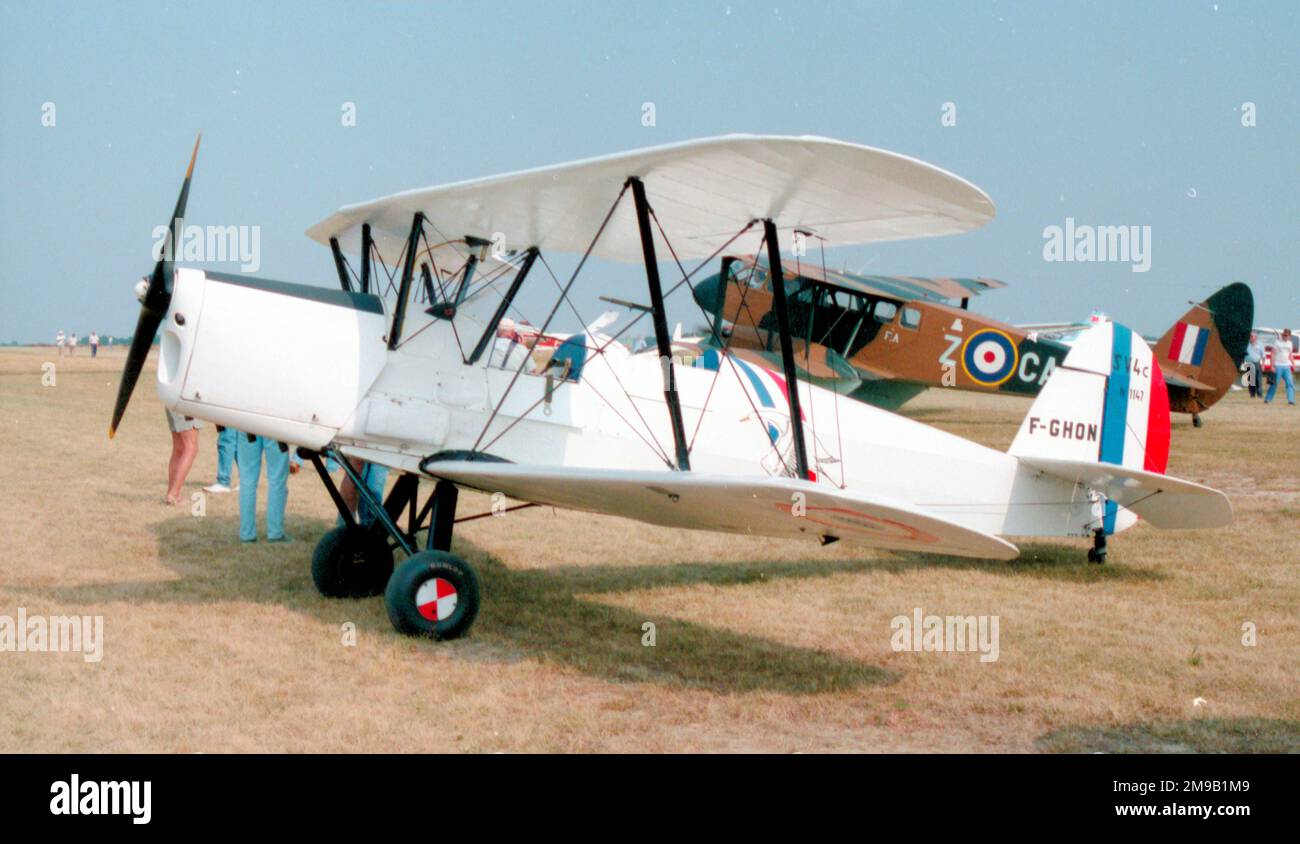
(351, 562)
(403, 597)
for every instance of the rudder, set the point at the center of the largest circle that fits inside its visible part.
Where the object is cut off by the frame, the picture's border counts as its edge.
(1105, 403)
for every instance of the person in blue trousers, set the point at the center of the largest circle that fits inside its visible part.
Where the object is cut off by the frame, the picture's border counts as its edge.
(375, 477)
(227, 442)
(280, 462)
(1282, 357)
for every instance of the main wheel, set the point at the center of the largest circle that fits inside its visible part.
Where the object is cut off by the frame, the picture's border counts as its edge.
(432, 594)
(351, 562)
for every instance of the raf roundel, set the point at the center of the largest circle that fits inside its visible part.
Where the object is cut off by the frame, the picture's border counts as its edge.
(989, 357)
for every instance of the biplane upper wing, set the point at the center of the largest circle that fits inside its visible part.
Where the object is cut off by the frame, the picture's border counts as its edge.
(703, 191)
(729, 504)
(1054, 329)
(904, 287)
(900, 287)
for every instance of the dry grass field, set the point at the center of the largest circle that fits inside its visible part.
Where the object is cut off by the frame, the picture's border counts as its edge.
(213, 646)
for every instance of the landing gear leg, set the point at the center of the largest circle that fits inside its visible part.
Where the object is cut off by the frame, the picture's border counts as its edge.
(1097, 553)
(434, 593)
(350, 561)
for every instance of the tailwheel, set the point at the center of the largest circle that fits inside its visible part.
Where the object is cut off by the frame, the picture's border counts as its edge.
(433, 594)
(1097, 553)
(1196, 420)
(351, 562)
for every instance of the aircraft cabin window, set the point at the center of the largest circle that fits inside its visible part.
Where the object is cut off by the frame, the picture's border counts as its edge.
(885, 311)
(911, 317)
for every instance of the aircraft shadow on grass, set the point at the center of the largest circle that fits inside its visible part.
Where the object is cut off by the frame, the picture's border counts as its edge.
(1038, 560)
(1198, 735)
(550, 613)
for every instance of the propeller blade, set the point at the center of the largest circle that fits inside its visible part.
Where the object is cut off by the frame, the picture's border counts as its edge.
(153, 308)
(165, 261)
(145, 329)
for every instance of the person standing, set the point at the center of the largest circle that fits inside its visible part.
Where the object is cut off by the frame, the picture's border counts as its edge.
(72, 344)
(375, 477)
(94, 344)
(1282, 357)
(185, 447)
(227, 444)
(279, 465)
(59, 341)
(1255, 367)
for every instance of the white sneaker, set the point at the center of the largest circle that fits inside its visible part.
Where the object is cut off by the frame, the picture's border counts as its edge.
(218, 488)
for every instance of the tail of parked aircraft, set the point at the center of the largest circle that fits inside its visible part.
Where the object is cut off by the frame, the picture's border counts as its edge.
(1202, 352)
(1102, 420)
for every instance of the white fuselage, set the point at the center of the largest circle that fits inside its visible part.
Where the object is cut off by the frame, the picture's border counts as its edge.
(317, 373)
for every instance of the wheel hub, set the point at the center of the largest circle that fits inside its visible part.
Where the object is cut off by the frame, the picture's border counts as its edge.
(436, 599)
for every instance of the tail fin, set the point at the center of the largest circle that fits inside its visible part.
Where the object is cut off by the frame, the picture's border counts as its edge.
(1106, 402)
(1203, 351)
(1102, 420)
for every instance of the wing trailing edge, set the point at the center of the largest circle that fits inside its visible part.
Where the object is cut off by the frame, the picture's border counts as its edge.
(757, 506)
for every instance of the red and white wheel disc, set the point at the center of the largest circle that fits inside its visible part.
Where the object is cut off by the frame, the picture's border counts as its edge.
(436, 599)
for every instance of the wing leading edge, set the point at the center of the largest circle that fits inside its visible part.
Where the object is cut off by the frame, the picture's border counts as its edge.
(730, 504)
(703, 191)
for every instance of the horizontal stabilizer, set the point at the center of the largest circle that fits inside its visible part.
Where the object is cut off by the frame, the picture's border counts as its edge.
(759, 506)
(1163, 501)
(1177, 380)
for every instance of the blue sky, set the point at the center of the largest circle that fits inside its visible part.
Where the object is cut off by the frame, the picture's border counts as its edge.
(1110, 113)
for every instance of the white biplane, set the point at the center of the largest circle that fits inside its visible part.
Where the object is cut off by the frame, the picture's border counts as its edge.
(429, 375)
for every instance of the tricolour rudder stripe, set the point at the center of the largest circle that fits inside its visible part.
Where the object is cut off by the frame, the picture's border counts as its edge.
(1178, 336)
(1114, 417)
(1156, 457)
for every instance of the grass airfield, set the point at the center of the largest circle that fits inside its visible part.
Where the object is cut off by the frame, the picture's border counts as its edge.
(761, 645)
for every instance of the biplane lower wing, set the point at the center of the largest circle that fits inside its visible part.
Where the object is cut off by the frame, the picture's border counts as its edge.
(729, 504)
